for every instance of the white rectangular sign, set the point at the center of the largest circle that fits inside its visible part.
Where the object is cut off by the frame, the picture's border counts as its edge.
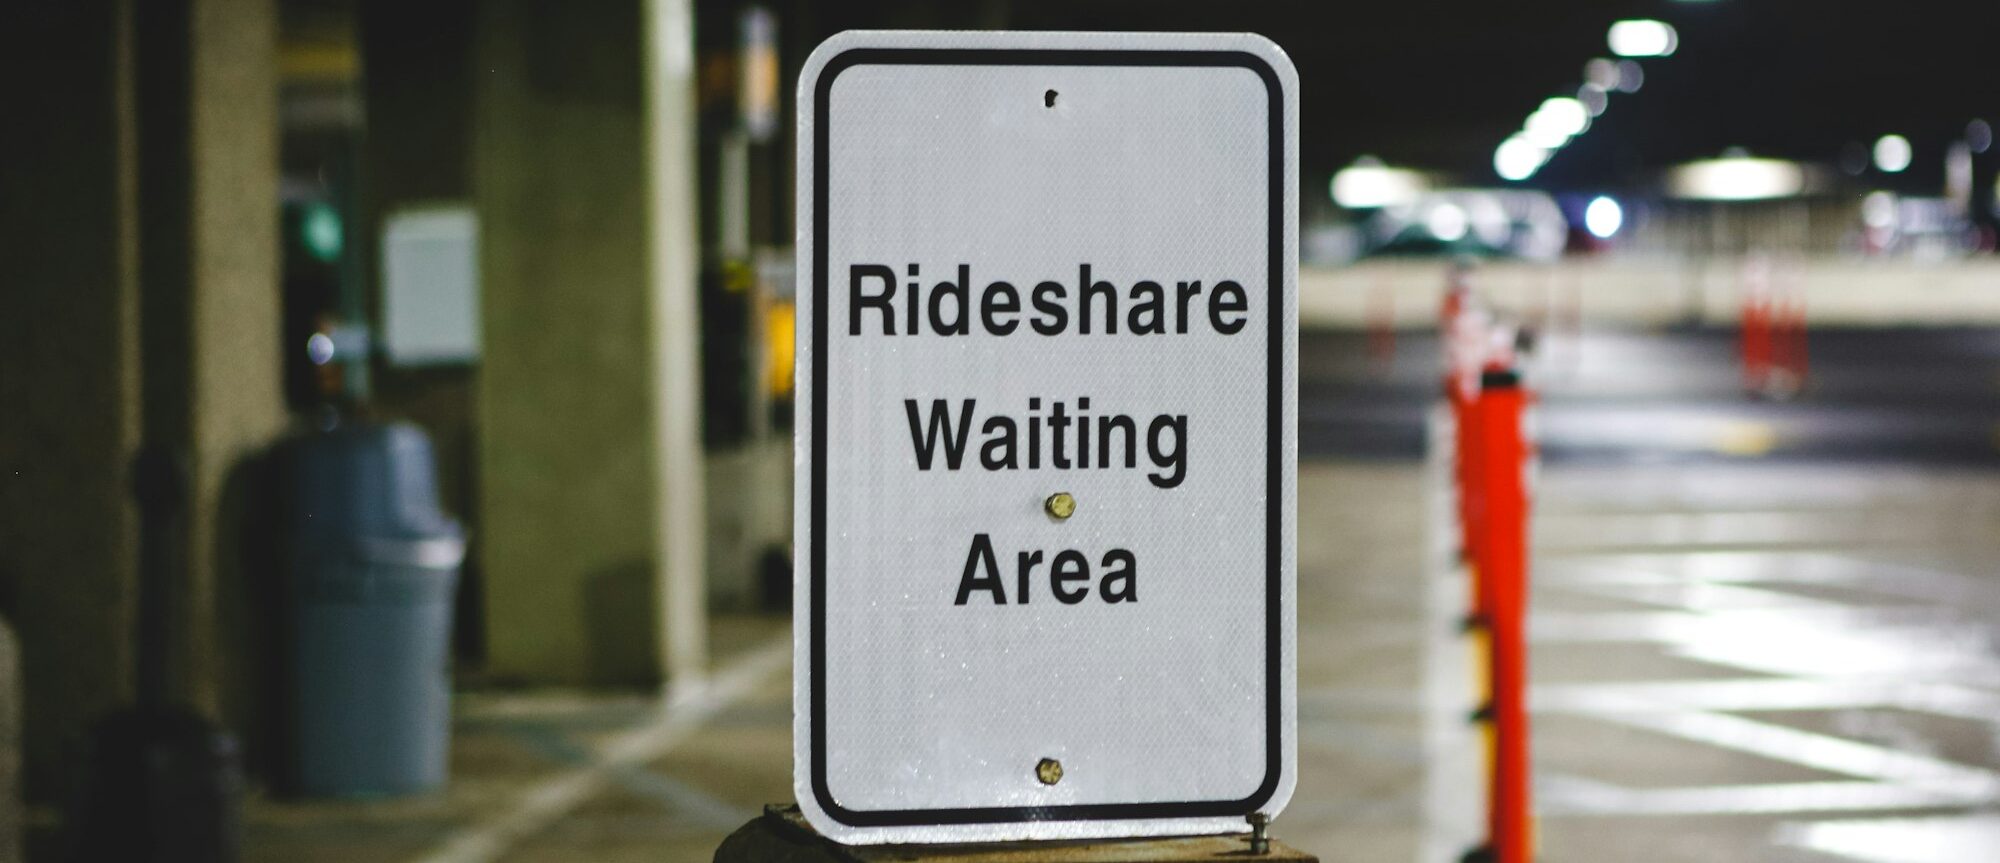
(1045, 519)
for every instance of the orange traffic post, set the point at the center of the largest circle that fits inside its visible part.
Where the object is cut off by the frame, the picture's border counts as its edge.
(1754, 333)
(1502, 564)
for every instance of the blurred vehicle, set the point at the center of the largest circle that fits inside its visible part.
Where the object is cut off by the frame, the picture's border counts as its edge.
(1496, 223)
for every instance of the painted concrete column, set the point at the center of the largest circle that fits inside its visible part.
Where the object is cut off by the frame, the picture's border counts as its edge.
(587, 399)
(69, 368)
(674, 292)
(141, 303)
(211, 301)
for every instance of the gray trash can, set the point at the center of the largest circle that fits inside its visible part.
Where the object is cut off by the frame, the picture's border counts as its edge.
(373, 565)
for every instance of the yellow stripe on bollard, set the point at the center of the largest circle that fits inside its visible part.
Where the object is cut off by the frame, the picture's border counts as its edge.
(779, 324)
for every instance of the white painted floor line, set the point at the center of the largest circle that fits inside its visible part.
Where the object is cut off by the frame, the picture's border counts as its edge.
(1888, 578)
(1777, 798)
(1635, 627)
(1453, 795)
(1817, 751)
(544, 803)
(1763, 693)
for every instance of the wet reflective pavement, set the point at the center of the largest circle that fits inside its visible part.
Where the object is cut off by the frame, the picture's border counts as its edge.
(1732, 661)
(1760, 632)
(1756, 662)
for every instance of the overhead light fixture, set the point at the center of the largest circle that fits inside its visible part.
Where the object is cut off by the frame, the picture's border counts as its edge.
(1736, 178)
(1517, 159)
(1547, 130)
(1630, 76)
(1602, 72)
(1979, 135)
(1594, 99)
(1566, 115)
(1368, 184)
(1642, 37)
(1892, 154)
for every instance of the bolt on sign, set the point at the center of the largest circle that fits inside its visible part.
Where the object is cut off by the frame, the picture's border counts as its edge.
(1047, 362)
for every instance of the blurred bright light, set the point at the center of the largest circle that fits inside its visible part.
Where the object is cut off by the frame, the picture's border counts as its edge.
(1368, 183)
(1878, 210)
(1979, 135)
(1642, 37)
(1603, 217)
(320, 231)
(1736, 179)
(1594, 99)
(319, 349)
(1892, 153)
(1447, 221)
(1630, 76)
(1569, 115)
(1543, 135)
(1602, 72)
(1518, 159)
(1555, 122)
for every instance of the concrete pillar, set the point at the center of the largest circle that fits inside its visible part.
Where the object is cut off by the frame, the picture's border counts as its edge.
(587, 399)
(69, 367)
(673, 295)
(141, 302)
(211, 301)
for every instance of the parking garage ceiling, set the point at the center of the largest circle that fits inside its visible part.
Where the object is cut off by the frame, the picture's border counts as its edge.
(1437, 84)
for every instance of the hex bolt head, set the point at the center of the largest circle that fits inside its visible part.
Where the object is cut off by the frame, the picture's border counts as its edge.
(1049, 771)
(1060, 505)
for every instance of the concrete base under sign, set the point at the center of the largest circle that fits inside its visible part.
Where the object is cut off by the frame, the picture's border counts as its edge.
(781, 835)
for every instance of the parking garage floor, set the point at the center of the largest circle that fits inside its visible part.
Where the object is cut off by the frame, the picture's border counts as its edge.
(1787, 652)
(1732, 661)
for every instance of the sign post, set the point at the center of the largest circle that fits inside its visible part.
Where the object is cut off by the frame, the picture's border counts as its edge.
(1047, 366)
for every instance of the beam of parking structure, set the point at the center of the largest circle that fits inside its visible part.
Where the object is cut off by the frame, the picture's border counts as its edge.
(548, 801)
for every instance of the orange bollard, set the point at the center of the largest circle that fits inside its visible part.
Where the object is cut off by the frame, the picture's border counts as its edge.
(1502, 565)
(1754, 334)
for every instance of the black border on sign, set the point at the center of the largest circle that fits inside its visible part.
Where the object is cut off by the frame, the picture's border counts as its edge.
(1274, 471)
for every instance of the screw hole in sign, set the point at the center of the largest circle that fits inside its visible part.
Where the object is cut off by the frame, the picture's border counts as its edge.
(1049, 99)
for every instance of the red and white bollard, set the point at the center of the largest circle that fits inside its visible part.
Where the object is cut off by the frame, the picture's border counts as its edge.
(1500, 567)
(1492, 454)
(1754, 327)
